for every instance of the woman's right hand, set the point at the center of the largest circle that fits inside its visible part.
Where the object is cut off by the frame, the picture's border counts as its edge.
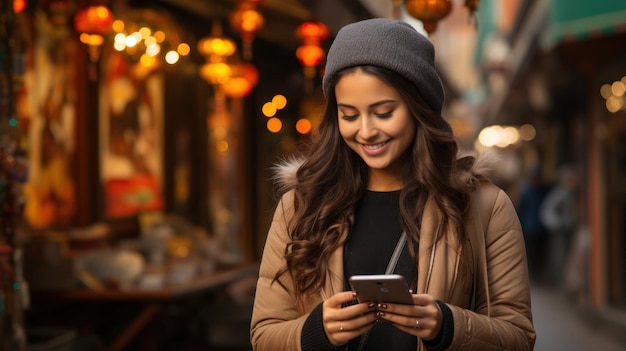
(344, 323)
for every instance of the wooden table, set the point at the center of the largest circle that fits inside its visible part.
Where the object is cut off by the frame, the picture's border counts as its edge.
(154, 299)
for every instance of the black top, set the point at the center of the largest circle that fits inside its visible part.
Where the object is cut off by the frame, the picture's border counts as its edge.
(374, 237)
(369, 247)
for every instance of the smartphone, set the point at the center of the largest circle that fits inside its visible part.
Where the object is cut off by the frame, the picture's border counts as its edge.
(390, 288)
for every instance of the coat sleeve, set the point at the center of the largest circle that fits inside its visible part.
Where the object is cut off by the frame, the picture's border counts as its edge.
(276, 321)
(505, 323)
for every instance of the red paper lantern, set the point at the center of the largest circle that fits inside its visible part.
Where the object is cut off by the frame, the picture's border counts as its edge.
(428, 11)
(313, 32)
(93, 20)
(310, 53)
(243, 79)
(19, 6)
(247, 20)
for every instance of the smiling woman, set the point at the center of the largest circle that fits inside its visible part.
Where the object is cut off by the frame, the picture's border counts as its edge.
(380, 189)
(375, 122)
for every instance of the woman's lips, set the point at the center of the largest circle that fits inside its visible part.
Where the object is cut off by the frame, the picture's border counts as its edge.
(374, 149)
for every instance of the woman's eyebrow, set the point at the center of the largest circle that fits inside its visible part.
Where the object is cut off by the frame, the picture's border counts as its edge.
(375, 104)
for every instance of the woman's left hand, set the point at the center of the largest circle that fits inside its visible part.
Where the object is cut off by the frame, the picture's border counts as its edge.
(423, 318)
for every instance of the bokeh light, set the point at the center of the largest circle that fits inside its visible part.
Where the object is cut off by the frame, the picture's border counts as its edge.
(303, 126)
(269, 109)
(274, 125)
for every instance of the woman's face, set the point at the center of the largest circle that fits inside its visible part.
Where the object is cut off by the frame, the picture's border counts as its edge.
(375, 122)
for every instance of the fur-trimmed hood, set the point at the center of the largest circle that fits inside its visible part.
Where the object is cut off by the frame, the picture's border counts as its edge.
(284, 172)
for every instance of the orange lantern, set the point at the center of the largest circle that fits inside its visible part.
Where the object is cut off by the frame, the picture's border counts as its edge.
(19, 6)
(216, 73)
(428, 11)
(93, 20)
(216, 48)
(243, 79)
(247, 21)
(93, 23)
(310, 53)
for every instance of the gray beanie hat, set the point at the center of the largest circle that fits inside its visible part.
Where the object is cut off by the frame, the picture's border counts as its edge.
(390, 44)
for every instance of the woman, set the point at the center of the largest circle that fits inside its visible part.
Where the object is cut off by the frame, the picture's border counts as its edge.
(385, 162)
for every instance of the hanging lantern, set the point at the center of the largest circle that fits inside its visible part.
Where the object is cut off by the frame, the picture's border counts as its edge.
(19, 6)
(216, 47)
(215, 73)
(247, 21)
(428, 11)
(310, 53)
(243, 79)
(93, 23)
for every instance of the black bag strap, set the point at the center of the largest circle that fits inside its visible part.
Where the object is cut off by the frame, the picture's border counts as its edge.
(393, 261)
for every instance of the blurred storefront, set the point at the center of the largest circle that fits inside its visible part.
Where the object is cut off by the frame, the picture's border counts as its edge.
(137, 140)
(135, 151)
(560, 67)
(133, 108)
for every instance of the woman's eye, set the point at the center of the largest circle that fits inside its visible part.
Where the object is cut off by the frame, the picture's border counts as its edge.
(349, 117)
(384, 115)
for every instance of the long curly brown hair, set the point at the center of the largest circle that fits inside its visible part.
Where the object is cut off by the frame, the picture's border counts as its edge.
(333, 178)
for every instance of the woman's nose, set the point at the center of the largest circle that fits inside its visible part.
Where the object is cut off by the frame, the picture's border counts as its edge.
(368, 128)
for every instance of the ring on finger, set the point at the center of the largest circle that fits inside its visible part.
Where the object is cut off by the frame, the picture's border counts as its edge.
(417, 324)
(340, 325)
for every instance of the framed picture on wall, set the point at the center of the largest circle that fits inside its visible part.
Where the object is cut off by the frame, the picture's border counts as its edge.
(131, 133)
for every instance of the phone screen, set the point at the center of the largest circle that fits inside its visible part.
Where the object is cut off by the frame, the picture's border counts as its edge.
(390, 288)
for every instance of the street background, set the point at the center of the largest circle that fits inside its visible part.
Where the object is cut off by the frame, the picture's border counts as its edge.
(562, 326)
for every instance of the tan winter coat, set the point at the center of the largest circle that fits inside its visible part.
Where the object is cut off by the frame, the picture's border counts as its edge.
(496, 315)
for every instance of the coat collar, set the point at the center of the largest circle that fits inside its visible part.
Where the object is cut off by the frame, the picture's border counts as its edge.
(284, 172)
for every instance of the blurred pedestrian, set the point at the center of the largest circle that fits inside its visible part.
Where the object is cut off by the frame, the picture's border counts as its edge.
(559, 213)
(532, 195)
